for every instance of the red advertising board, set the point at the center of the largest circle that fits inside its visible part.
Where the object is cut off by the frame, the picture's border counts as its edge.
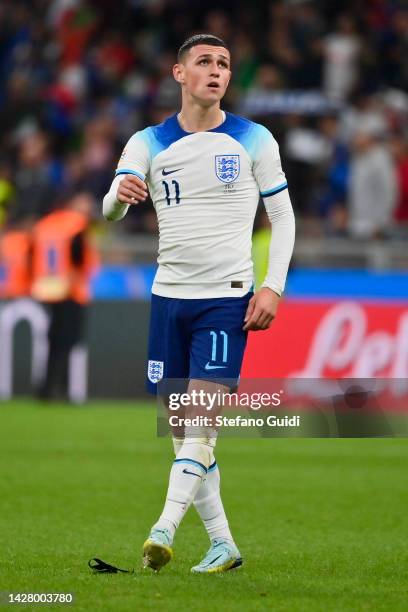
(315, 339)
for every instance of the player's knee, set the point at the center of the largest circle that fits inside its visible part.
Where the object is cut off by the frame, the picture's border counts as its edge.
(198, 449)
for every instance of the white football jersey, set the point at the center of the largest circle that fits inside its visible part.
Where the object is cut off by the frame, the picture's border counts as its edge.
(205, 188)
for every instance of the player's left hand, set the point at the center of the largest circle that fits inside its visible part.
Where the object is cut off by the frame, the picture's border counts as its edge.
(261, 311)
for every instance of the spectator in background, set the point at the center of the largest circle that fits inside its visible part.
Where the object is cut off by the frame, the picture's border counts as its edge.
(218, 23)
(64, 261)
(267, 79)
(334, 171)
(306, 29)
(341, 50)
(36, 179)
(399, 50)
(246, 61)
(392, 44)
(19, 105)
(165, 92)
(267, 82)
(97, 155)
(373, 187)
(281, 48)
(75, 22)
(305, 150)
(365, 113)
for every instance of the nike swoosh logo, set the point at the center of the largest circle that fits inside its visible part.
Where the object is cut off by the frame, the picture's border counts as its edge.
(216, 559)
(164, 173)
(213, 367)
(192, 473)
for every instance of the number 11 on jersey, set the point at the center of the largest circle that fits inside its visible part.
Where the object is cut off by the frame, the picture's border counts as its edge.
(176, 190)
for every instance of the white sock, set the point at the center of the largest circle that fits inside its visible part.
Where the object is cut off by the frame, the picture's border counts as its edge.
(209, 505)
(186, 475)
(208, 501)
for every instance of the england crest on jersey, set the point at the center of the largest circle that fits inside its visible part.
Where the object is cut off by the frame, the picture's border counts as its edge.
(155, 370)
(227, 167)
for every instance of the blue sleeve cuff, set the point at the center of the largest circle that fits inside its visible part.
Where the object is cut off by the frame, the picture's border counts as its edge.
(127, 171)
(274, 191)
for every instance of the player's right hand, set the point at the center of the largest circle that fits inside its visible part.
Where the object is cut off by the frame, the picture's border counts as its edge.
(131, 190)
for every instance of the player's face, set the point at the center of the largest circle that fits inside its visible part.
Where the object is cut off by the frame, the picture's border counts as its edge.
(204, 73)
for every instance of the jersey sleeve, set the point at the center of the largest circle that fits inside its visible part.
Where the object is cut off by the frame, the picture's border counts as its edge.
(135, 158)
(267, 166)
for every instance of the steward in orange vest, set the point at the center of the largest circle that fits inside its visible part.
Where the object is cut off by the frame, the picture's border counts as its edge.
(15, 261)
(63, 257)
(63, 262)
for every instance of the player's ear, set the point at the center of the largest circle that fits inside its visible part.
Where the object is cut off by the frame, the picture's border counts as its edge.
(178, 73)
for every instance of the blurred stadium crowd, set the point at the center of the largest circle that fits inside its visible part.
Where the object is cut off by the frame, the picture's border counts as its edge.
(328, 77)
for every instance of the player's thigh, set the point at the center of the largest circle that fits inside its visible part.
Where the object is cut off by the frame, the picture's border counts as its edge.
(218, 341)
(168, 347)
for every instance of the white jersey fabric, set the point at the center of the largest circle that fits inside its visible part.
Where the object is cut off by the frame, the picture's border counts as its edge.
(205, 188)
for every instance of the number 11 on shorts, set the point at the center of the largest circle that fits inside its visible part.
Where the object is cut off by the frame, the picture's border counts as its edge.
(224, 336)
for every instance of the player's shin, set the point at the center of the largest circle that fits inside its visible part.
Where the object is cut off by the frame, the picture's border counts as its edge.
(186, 476)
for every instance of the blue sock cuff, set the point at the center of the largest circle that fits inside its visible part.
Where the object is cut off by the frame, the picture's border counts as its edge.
(191, 461)
(213, 467)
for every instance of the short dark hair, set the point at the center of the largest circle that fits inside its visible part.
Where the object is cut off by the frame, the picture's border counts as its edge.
(199, 39)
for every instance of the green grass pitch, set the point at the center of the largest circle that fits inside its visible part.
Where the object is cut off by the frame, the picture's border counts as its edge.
(321, 523)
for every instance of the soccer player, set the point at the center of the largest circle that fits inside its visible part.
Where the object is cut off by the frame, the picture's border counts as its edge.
(204, 169)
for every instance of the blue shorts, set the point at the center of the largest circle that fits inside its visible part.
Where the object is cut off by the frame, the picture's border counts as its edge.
(198, 338)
